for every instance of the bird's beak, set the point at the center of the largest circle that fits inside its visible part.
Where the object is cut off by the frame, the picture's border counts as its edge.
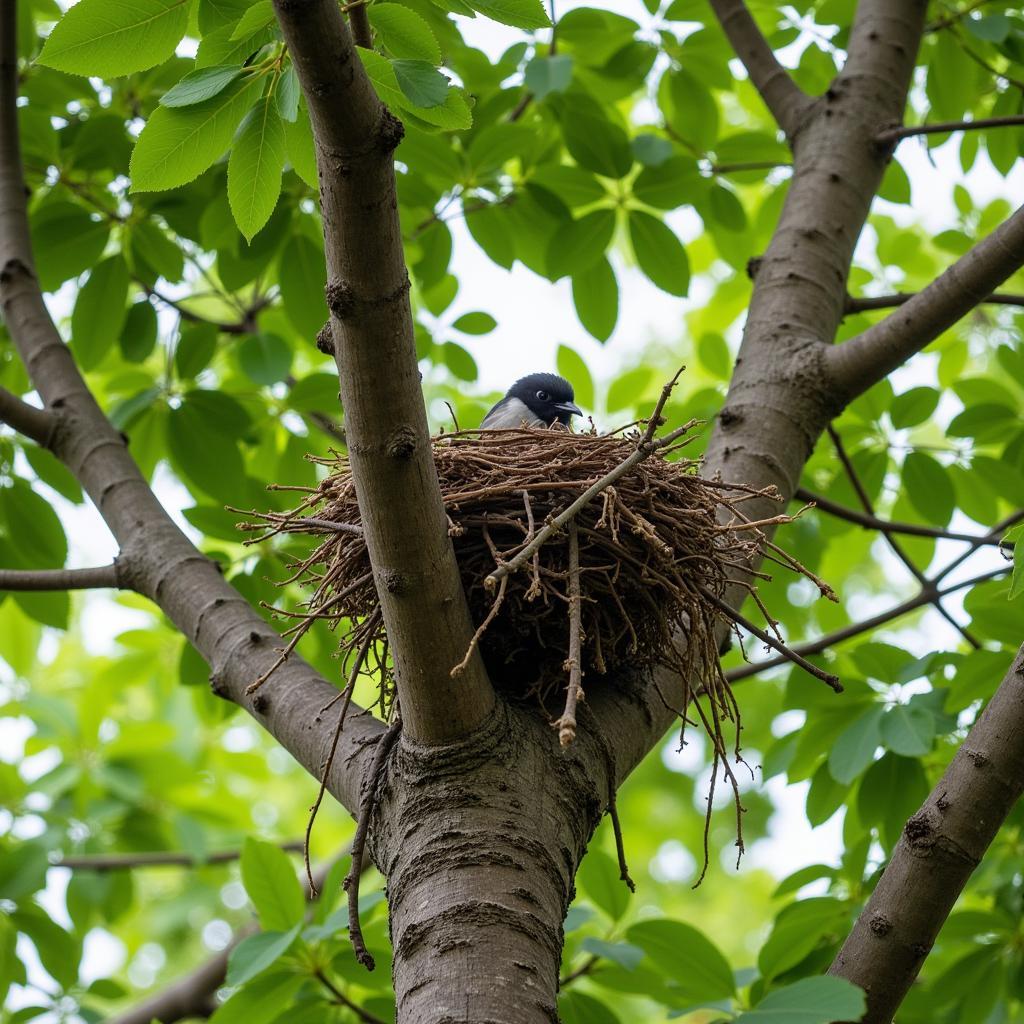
(569, 407)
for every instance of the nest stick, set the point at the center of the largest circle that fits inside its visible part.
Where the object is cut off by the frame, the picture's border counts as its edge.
(644, 450)
(567, 723)
(351, 883)
(656, 421)
(767, 638)
(347, 695)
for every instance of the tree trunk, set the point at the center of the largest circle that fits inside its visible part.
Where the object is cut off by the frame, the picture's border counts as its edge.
(480, 842)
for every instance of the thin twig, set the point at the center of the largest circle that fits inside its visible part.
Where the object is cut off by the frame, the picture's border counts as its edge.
(36, 424)
(98, 578)
(155, 859)
(925, 596)
(566, 725)
(897, 548)
(891, 136)
(787, 653)
(351, 885)
(584, 969)
(347, 700)
(872, 522)
(865, 303)
(364, 1015)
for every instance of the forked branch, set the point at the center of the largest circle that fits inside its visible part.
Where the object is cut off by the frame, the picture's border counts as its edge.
(35, 424)
(862, 361)
(781, 95)
(99, 578)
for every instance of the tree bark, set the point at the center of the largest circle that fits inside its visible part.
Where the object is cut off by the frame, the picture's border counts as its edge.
(480, 842)
(418, 583)
(940, 847)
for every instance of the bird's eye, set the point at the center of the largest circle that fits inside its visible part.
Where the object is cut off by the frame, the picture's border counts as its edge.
(543, 396)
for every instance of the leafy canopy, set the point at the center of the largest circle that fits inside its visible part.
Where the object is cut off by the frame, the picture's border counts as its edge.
(174, 219)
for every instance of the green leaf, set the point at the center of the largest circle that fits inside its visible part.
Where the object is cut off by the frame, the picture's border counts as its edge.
(288, 94)
(693, 111)
(200, 85)
(475, 323)
(895, 185)
(825, 796)
(1017, 581)
(65, 241)
(109, 38)
(53, 472)
(572, 367)
(627, 390)
(599, 878)
(256, 17)
(798, 929)
(595, 294)
(687, 956)
(272, 885)
(622, 953)
(452, 114)
(22, 870)
(809, 1001)
(913, 407)
(929, 488)
(714, 354)
(908, 730)
(303, 277)
(298, 143)
(580, 243)
(459, 361)
(671, 184)
(261, 1000)
(178, 144)
(525, 14)
(59, 952)
(854, 748)
(100, 311)
(545, 75)
(151, 254)
(659, 253)
(256, 953)
(594, 141)
(255, 166)
(404, 32)
(196, 347)
(203, 450)
(422, 84)
(266, 358)
(651, 150)
(579, 1008)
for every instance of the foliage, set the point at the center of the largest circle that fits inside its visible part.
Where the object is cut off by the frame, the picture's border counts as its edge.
(192, 288)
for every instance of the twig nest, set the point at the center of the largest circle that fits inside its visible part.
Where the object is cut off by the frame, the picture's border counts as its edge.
(652, 546)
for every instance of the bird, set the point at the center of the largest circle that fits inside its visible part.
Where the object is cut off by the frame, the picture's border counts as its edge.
(537, 400)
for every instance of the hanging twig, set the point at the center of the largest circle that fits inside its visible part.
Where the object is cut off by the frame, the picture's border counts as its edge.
(346, 696)
(566, 725)
(351, 884)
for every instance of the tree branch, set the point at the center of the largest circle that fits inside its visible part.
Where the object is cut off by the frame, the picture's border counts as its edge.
(927, 595)
(872, 522)
(35, 424)
(864, 360)
(865, 303)
(892, 136)
(782, 96)
(940, 847)
(425, 612)
(160, 858)
(193, 994)
(894, 544)
(97, 578)
(159, 561)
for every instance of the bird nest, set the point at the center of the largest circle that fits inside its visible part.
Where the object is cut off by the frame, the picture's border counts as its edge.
(581, 555)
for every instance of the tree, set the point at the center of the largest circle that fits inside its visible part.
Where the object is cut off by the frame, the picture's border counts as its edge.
(191, 346)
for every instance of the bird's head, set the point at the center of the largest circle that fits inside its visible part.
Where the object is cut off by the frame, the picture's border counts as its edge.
(548, 396)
